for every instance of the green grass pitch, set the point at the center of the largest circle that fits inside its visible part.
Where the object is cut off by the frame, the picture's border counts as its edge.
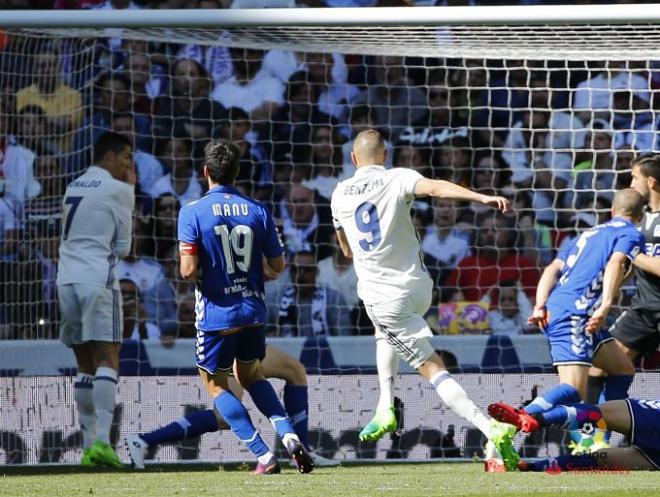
(396, 480)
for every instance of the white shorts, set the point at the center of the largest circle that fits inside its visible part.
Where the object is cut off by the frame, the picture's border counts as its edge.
(89, 313)
(402, 325)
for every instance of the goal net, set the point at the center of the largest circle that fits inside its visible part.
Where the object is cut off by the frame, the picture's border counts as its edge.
(549, 114)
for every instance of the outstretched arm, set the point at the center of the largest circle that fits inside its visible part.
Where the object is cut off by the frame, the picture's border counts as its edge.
(547, 282)
(445, 189)
(615, 273)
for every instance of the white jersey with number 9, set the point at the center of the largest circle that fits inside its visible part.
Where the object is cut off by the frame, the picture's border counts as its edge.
(373, 209)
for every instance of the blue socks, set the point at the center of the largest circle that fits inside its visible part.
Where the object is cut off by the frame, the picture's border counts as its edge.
(616, 387)
(266, 400)
(240, 423)
(191, 426)
(197, 423)
(296, 405)
(562, 394)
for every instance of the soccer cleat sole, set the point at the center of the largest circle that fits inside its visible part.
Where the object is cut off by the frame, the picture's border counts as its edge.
(512, 416)
(301, 459)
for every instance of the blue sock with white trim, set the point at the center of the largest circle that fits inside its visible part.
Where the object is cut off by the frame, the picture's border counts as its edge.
(264, 397)
(296, 405)
(190, 426)
(104, 393)
(238, 419)
(562, 394)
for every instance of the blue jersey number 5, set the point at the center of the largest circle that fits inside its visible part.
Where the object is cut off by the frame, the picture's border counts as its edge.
(366, 219)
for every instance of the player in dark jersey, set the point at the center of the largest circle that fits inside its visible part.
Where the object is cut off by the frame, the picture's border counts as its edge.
(637, 329)
(637, 419)
(228, 245)
(573, 299)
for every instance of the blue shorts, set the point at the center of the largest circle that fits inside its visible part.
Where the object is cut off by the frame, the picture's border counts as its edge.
(645, 432)
(569, 341)
(216, 351)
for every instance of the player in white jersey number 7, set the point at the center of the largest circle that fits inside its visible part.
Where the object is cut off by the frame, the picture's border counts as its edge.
(371, 212)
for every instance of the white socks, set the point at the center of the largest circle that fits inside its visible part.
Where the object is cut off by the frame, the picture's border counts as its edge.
(387, 363)
(457, 399)
(104, 393)
(85, 403)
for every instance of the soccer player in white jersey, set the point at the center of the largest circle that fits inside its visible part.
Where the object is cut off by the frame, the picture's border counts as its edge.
(98, 209)
(371, 212)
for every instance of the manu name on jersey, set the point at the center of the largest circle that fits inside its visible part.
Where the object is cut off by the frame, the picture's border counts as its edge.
(232, 233)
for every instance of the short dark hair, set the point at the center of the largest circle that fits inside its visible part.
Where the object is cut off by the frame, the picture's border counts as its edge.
(649, 165)
(110, 142)
(222, 158)
(113, 76)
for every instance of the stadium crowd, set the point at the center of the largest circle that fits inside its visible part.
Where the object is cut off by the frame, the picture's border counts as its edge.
(556, 138)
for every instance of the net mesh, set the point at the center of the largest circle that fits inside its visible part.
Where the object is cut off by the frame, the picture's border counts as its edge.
(553, 42)
(550, 117)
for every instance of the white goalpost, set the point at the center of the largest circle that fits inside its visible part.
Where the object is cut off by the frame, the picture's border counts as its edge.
(544, 104)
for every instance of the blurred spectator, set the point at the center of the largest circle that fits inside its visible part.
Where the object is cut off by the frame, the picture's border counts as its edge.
(412, 157)
(163, 225)
(452, 161)
(566, 135)
(149, 169)
(113, 95)
(397, 103)
(634, 122)
(294, 122)
(136, 326)
(363, 117)
(186, 316)
(325, 158)
(328, 74)
(468, 98)
(32, 293)
(337, 272)
(157, 298)
(10, 230)
(47, 206)
(215, 59)
(147, 83)
(252, 87)
(487, 178)
(511, 310)
(442, 240)
(596, 175)
(255, 174)
(593, 97)
(307, 308)
(188, 111)
(524, 153)
(181, 180)
(17, 182)
(495, 260)
(441, 126)
(306, 223)
(62, 104)
(31, 131)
